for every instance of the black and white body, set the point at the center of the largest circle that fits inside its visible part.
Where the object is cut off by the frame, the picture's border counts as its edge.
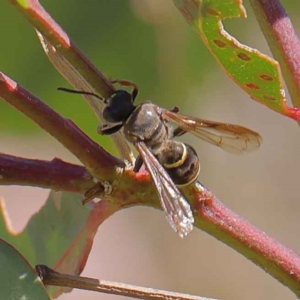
(170, 163)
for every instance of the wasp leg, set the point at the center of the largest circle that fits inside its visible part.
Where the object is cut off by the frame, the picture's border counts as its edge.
(130, 84)
(178, 132)
(109, 129)
(93, 192)
(175, 109)
(138, 164)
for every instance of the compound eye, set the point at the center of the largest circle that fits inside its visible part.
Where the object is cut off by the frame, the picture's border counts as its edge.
(119, 97)
(119, 107)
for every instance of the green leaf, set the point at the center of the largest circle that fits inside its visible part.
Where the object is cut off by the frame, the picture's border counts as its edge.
(17, 279)
(256, 73)
(60, 235)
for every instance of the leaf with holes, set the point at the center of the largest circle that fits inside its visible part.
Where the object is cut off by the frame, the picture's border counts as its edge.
(257, 74)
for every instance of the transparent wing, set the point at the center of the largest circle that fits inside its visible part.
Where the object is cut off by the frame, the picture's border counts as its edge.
(177, 209)
(76, 78)
(231, 138)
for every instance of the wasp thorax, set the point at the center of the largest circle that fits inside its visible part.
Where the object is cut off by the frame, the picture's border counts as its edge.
(119, 107)
(180, 161)
(145, 125)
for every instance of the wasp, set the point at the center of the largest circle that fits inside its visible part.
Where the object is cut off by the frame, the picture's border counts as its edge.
(172, 164)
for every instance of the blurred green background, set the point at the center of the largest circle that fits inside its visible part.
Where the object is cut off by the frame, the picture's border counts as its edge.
(146, 42)
(149, 43)
(121, 39)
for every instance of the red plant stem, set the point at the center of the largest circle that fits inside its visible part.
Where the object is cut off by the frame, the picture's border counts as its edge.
(210, 215)
(283, 42)
(99, 162)
(71, 63)
(56, 174)
(273, 257)
(42, 21)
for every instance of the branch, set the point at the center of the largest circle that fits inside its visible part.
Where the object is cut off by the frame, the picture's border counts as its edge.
(219, 221)
(130, 188)
(99, 162)
(282, 40)
(210, 214)
(71, 63)
(42, 21)
(56, 174)
(51, 277)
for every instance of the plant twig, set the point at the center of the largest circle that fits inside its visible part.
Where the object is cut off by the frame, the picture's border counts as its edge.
(51, 277)
(42, 21)
(56, 174)
(99, 162)
(71, 62)
(210, 215)
(282, 40)
(276, 259)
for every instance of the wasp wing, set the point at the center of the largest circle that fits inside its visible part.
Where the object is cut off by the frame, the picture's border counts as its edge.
(177, 209)
(231, 138)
